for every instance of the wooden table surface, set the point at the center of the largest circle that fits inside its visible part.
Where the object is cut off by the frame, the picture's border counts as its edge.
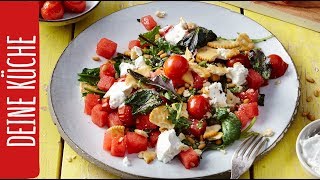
(281, 162)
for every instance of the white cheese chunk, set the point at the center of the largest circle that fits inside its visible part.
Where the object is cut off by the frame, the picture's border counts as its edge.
(222, 53)
(176, 33)
(117, 93)
(135, 52)
(217, 96)
(238, 73)
(124, 68)
(139, 62)
(168, 146)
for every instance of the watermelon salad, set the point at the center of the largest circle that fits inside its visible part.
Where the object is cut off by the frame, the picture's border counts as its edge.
(178, 91)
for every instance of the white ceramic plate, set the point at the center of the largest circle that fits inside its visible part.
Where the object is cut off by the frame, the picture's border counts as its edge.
(69, 18)
(86, 138)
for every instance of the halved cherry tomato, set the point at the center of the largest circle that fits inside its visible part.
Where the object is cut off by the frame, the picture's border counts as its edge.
(242, 58)
(197, 80)
(75, 6)
(198, 127)
(198, 106)
(134, 43)
(148, 22)
(52, 10)
(175, 67)
(278, 66)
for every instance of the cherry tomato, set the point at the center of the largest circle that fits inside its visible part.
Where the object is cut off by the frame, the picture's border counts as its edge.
(278, 66)
(52, 10)
(198, 127)
(175, 67)
(198, 106)
(178, 82)
(243, 59)
(75, 6)
(134, 43)
(198, 80)
(148, 22)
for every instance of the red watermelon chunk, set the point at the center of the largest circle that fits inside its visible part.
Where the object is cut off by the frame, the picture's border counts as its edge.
(143, 123)
(107, 69)
(113, 120)
(98, 116)
(189, 158)
(90, 101)
(136, 142)
(106, 82)
(247, 112)
(118, 147)
(153, 138)
(106, 48)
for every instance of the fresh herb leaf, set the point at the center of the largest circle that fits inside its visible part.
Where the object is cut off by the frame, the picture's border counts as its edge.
(261, 99)
(149, 37)
(203, 64)
(90, 76)
(180, 123)
(222, 113)
(197, 38)
(167, 47)
(237, 89)
(94, 91)
(246, 133)
(262, 39)
(259, 63)
(155, 62)
(143, 101)
(231, 129)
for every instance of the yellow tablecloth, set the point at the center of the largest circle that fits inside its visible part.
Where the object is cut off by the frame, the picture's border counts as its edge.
(281, 162)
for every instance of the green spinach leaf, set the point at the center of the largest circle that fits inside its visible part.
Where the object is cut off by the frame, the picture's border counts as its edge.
(246, 133)
(259, 63)
(222, 113)
(261, 99)
(231, 129)
(149, 37)
(119, 59)
(143, 101)
(180, 123)
(90, 76)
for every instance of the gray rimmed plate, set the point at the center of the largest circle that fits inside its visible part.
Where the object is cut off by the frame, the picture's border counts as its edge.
(69, 18)
(86, 138)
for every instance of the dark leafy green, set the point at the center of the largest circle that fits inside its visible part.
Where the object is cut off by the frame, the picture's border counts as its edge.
(259, 63)
(149, 37)
(246, 133)
(90, 76)
(236, 89)
(231, 129)
(261, 99)
(155, 62)
(143, 101)
(180, 123)
(93, 91)
(222, 113)
(197, 38)
(119, 59)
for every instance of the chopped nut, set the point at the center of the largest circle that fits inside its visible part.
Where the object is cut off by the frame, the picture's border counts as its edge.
(157, 36)
(304, 114)
(147, 156)
(310, 79)
(96, 58)
(190, 140)
(160, 52)
(311, 117)
(218, 142)
(231, 85)
(147, 56)
(163, 55)
(180, 90)
(316, 93)
(229, 80)
(246, 101)
(160, 14)
(268, 133)
(202, 145)
(309, 99)
(215, 77)
(141, 132)
(186, 85)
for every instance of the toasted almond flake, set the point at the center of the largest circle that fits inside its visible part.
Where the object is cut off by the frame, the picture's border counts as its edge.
(277, 82)
(216, 137)
(96, 58)
(211, 131)
(141, 132)
(310, 79)
(268, 133)
(160, 14)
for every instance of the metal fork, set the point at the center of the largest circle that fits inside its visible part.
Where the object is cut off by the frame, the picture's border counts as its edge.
(245, 155)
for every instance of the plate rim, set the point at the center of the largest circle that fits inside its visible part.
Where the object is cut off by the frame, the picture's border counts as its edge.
(70, 18)
(123, 174)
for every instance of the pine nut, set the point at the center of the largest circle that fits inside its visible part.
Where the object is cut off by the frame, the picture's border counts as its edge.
(96, 58)
(304, 114)
(218, 142)
(147, 56)
(202, 145)
(229, 80)
(246, 101)
(215, 77)
(316, 93)
(163, 55)
(180, 90)
(160, 52)
(310, 79)
(309, 99)
(231, 85)
(311, 117)
(190, 139)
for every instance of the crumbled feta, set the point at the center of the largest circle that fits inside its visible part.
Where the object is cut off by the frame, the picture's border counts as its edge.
(222, 53)
(168, 146)
(238, 73)
(217, 96)
(126, 161)
(186, 93)
(176, 33)
(135, 52)
(139, 62)
(181, 136)
(118, 93)
(160, 14)
(268, 133)
(124, 68)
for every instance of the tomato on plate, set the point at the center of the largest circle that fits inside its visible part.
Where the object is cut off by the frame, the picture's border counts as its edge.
(107, 69)
(250, 94)
(143, 122)
(134, 43)
(198, 106)
(52, 10)
(242, 58)
(189, 158)
(175, 67)
(278, 66)
(254, 79)
(75, 6)
(136, 142)
(125, 115)
(105, 83)
(153, 138)
(197, 80)
(98, 116)
(148, 22)
(198, 127)
(106, 48)
(90, 101)
(247, 112)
